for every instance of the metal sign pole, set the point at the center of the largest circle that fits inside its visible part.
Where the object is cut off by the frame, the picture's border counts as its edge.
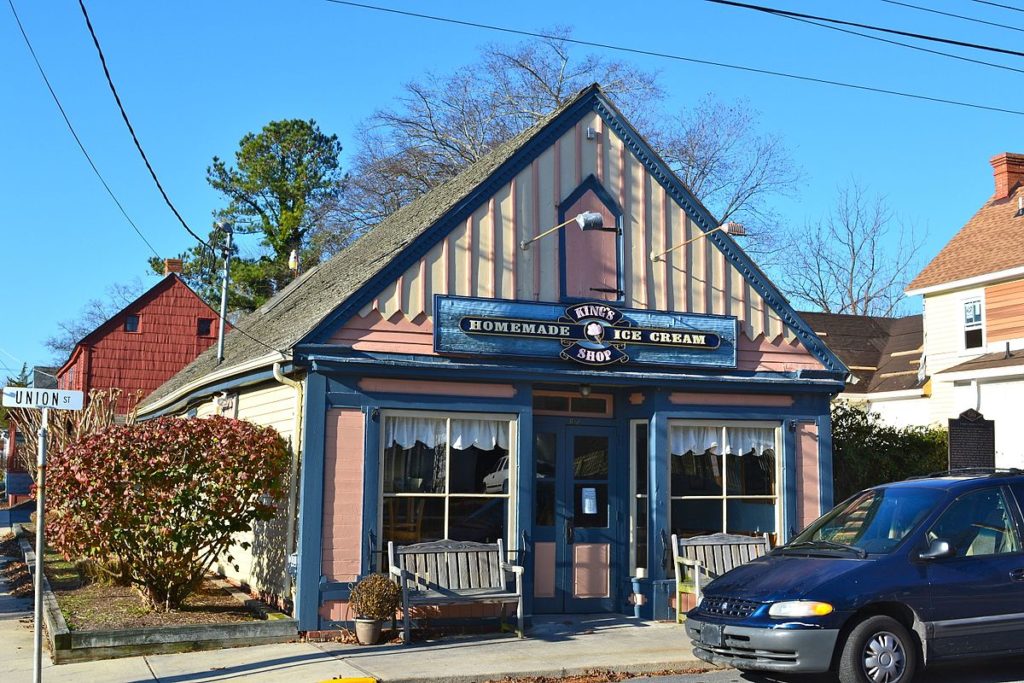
(41, 399)
(37, 665)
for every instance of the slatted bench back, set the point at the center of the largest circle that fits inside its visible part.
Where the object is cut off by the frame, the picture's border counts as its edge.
(453, 565)
(719, 553)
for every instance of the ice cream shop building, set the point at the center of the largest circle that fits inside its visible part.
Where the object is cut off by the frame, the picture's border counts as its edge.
(556, 348)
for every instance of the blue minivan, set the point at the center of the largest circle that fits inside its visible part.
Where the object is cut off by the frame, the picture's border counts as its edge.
(894, 578)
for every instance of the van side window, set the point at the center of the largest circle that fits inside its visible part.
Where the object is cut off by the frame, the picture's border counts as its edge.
(978, 523)
(1018, 493)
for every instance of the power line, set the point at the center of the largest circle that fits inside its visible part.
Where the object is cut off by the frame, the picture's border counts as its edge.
(74, 134)
(908, 34)
(135, 139)
(909, 46)
(681, 58)
(999, 4)
(955, 16)
(138, 146)
(96, 170)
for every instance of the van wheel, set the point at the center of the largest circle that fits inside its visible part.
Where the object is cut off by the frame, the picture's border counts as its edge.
(878, 650)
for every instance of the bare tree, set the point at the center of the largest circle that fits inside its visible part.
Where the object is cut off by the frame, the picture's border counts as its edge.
(444, 122)
(718, 152)
(93, 314)
(856, 259)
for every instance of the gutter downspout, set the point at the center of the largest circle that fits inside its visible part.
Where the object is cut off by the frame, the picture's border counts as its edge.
(289, 585)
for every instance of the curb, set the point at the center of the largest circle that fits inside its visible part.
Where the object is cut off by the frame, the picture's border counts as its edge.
(643, 669)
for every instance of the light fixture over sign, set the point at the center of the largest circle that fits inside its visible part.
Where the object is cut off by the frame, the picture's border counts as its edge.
(730, 228)
(587, 220)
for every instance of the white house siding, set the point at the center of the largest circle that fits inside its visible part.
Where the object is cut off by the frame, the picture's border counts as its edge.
(1001, 401)
(262, 566)
(944, 347)
(943, 402)
(904, 412)
(944, 329)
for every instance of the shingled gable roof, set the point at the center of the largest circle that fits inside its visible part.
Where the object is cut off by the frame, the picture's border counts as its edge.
(884, 354)
(992, 241)
(325, 294)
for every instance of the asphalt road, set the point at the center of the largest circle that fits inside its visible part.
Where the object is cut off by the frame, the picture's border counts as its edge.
(980, 671)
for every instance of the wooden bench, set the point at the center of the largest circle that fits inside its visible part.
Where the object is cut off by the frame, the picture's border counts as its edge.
(710, 557)
(455, 572)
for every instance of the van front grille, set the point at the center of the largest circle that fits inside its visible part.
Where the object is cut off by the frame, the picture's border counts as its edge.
(732, 608)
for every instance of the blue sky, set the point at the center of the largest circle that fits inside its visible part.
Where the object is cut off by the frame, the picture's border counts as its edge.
(196, 76)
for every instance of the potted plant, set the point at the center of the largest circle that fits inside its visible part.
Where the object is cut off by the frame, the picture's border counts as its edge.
(374, 598)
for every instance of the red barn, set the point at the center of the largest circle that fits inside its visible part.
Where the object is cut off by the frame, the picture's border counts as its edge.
(144, 344)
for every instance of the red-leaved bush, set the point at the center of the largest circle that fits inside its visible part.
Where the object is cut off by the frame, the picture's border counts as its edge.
(165, 497)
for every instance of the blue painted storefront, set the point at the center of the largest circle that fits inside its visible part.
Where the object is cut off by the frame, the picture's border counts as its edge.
(333, 383)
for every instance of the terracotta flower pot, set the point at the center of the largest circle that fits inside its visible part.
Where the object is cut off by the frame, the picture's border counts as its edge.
(368, 630)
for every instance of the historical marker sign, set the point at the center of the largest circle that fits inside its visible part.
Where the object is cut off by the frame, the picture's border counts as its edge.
(972, 441)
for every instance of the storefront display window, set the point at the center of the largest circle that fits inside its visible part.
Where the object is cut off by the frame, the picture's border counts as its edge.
(723, 478)
(445, 477)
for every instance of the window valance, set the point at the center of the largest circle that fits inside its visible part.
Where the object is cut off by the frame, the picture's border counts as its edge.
(466, 433)
(737, 440)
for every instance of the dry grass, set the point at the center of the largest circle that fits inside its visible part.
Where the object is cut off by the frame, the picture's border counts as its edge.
(89, 605)
(101, 607)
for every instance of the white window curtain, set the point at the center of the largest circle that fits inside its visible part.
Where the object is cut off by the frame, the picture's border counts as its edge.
(406, 431)
(742, 440)
(484, 434)
(738, 440)
(683, 440)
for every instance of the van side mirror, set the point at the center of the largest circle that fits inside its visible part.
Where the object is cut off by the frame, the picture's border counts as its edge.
(937, 550)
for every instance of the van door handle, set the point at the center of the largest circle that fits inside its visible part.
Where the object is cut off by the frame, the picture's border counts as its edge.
(1017, 574)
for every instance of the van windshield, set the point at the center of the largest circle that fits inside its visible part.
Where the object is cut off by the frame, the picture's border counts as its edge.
(873, 521)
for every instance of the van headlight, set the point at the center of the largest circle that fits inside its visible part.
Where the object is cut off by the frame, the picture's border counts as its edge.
(799, 608)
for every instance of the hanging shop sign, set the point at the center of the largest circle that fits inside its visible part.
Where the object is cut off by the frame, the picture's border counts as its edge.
(590, 333)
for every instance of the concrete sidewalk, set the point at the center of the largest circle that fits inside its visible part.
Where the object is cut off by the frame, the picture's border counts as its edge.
(556, 646)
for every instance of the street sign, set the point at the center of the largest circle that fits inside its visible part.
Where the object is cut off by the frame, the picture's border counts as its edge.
(45, 400)
(58, 399)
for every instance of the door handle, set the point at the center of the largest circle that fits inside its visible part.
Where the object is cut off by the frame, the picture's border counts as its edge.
(1017, 574)
(570, 533)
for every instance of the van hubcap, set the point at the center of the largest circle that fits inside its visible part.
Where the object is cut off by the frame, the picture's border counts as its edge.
(884, 658)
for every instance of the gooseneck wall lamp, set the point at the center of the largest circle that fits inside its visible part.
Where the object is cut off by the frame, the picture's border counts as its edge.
(730, 228)
(588, 220)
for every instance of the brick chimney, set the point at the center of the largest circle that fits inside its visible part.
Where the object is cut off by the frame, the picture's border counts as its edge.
(173, 265)
(1008, 170)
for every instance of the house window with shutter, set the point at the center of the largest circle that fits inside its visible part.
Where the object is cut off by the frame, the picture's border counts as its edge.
(592, 257)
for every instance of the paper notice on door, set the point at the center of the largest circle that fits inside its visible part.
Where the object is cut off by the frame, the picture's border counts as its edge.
(589, 501)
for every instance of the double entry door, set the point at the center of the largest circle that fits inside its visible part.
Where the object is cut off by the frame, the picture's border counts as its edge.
(575, 517)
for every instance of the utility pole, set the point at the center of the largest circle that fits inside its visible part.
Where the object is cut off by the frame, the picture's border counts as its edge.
(229, 229)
